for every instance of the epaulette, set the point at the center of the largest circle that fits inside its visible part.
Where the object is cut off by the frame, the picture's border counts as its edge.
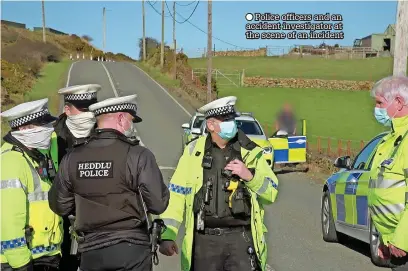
(245, 142)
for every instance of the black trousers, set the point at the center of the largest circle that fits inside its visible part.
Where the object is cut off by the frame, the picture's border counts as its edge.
(122, 256)
(45, 263)
(400, 264)
(68, 262)
(228, 251)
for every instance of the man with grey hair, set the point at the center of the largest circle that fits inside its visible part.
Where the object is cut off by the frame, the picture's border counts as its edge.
(388, 188)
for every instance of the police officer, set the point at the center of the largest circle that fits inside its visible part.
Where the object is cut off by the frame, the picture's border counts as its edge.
(388, 188)
(75, 124)
(102, 180)
(31, 234)
(224, 181)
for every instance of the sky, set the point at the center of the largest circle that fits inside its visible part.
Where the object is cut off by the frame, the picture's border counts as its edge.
(124, 21)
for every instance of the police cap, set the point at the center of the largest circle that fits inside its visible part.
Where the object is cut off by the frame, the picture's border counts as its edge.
(119, 104)
(223, 107)
(34, 112)
(81, 96)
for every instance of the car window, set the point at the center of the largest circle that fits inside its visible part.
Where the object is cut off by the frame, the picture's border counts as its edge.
(198, 121)
(249, 127)
(364, 156)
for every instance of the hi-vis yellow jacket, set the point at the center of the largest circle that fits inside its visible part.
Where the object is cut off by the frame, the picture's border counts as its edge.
(388, 187)
(24, 202)
(187, 181)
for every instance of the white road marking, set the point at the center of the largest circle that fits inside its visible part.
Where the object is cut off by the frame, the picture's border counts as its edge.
(69, 74)
(165, 91)
(110, 80)
(170, 168)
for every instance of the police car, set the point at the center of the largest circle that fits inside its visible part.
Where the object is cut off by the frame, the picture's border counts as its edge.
(195, 123)
(344, 206)
(251, 127)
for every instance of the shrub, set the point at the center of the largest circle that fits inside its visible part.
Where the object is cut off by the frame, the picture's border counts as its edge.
(203, 80)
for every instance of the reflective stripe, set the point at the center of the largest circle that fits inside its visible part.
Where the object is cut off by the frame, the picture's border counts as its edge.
(264, 186)
(180, 189)
(14, 243)
(380, 183)
(384, 210)
(171, 222)
(36, 178)
(37, 196)
(13, 183)
(42, 249)
(192, 146)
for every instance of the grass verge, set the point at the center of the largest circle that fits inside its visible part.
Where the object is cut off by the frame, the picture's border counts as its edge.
(157, 75)
(53, 77)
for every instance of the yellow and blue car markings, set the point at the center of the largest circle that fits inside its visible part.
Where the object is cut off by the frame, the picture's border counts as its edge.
(289, 150)
(348, 195)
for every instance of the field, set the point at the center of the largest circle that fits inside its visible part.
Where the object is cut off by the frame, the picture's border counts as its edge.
(339, 114)
(317, 68)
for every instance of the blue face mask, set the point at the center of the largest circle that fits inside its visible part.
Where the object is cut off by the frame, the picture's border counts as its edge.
(381, 116)
(228, 129)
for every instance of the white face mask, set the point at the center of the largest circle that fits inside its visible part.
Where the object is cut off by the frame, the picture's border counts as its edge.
(81, 124)
(131, 132)
(36, 138)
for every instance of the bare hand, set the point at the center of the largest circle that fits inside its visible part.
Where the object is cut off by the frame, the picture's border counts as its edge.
(396, 251)
(238, 168)
(383, 252)
(168, 248)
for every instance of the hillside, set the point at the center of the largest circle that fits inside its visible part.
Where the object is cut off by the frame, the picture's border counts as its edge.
(23, 55)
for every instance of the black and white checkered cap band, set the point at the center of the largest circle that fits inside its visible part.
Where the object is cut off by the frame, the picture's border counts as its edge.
(26, 119)
(116, 108)
(80, 97)
(220, 111)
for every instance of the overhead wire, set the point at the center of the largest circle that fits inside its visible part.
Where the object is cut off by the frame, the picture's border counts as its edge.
(198, 28)
(176, 12)
(185, 5)
(158, 12)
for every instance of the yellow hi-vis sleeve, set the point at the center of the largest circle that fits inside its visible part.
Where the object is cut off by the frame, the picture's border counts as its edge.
(264, 183)
(14, 185)
(173, 216)
(400, 237)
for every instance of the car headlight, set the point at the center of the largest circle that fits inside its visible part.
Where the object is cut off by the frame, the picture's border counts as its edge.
(267, 150)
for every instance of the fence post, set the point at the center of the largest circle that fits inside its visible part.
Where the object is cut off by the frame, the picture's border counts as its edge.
(319, 146)
(192, 74)
(328, 146)
(362, 144)
(339, 147)
(349, 148)
(242, 77)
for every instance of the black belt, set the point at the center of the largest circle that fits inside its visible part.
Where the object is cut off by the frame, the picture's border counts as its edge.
(225, 230)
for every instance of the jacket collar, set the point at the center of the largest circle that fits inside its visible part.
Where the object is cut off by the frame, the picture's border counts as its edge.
(400, 125)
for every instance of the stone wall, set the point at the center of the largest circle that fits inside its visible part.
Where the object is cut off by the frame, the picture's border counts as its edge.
(258, 52)
(307, 83)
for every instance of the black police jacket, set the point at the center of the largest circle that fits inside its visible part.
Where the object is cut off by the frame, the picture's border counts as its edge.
(101, 179)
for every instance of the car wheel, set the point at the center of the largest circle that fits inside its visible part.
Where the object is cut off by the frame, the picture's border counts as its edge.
(374, 244)
(327, 220)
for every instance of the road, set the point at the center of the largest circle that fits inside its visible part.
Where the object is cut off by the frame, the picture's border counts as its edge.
(294, 236)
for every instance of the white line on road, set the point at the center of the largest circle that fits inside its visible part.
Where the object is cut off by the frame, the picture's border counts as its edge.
(182, 107)
(110, 80)
(117, 95)
(170, 168)
(69, 74)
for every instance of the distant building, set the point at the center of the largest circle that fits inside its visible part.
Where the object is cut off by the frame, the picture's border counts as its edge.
(13, 24)
(50, 30)
(380, 41)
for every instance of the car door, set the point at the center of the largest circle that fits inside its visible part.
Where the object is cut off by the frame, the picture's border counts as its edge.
(352, 186)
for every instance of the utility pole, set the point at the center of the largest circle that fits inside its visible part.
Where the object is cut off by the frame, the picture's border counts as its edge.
(401, 41)
(43, 21)
(209, 52)
(144, 31)
(104, 29)
(174, 42)
(162, 39)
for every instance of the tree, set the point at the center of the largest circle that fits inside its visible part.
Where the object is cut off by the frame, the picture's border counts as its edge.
(87, 38)
(151, 45)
